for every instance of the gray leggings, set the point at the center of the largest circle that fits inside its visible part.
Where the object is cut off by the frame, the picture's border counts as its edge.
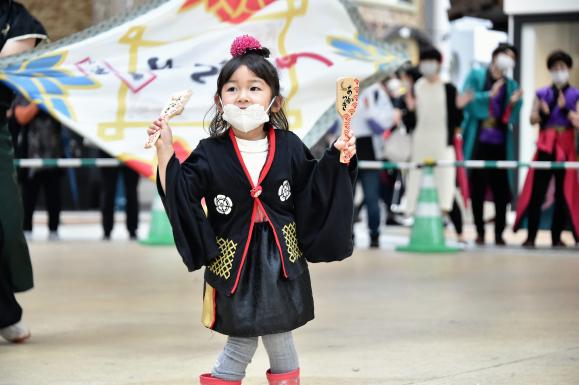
(239, 351)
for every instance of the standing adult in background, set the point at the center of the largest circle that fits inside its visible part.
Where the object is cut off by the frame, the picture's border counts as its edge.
(39, 137)
(19, 32)
(487, 134)
(437, 106)
(373, 117)
(552, 109)
(110, 176)
(391, 178)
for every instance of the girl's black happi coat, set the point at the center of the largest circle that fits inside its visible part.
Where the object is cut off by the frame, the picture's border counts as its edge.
(308, 204)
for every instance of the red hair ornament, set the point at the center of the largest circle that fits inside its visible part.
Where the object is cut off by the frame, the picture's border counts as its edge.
(244, 43)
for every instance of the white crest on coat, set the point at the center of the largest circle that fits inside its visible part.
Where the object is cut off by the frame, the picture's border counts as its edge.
(223, 204)
(284, 191)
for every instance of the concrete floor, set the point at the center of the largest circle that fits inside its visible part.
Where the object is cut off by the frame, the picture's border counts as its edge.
(120, 313)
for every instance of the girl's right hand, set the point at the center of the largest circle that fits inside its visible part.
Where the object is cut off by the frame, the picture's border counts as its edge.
(166, 138)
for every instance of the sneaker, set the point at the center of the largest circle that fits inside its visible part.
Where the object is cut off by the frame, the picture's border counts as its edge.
(500, 242)
(374, 242)
(15, 333)
(480, 240)
(53, 236)
(133, 236)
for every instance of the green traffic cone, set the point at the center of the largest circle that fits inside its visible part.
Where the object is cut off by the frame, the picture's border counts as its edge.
(427, 235)
(160, 232)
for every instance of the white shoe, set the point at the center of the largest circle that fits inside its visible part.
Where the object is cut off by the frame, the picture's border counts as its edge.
(15, 333)
(53, 236)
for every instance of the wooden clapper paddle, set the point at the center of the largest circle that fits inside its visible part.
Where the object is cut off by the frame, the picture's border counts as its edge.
(347, 90)
(174, 107)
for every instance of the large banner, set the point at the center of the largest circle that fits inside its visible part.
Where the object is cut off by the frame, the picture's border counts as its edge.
(110, 86)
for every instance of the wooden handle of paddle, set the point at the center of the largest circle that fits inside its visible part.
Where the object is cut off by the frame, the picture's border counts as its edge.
(174, 107)
(347, 91)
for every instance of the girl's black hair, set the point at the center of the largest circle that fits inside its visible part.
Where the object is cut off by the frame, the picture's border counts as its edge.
(255, 61)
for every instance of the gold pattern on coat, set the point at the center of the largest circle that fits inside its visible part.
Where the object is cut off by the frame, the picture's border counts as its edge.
(222, 265)
(291, 241)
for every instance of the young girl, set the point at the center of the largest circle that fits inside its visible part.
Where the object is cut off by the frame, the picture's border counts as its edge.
(270, 207)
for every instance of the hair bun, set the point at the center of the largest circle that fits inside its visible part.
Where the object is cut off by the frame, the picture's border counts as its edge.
(245, 44)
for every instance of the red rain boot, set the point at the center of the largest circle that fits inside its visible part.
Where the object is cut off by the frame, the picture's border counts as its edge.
(289, 378)
(207, 379)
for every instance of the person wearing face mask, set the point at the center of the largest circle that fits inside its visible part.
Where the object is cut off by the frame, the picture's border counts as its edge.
(553, 108)
(391, 180)
(437, 108)
(372, 118)
(271, 208)
(487, 135)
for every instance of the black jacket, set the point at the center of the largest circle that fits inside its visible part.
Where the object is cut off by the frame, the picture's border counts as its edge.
(309, 204)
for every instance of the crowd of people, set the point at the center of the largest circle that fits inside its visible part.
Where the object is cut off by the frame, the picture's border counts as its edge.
(415, 116)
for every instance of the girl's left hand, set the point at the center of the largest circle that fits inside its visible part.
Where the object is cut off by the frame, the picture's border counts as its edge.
(347, 144)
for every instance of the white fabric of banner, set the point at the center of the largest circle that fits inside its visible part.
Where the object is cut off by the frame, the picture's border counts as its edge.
(110, 86)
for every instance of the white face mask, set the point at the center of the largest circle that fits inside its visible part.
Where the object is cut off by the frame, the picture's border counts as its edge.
(246, 119)
(560, 77)
(505, 64)
(428, 68)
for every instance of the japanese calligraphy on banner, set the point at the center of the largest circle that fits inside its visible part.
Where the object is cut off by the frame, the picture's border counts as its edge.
(110, 86)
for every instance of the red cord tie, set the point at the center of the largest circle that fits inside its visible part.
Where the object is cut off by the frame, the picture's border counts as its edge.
(256, 191)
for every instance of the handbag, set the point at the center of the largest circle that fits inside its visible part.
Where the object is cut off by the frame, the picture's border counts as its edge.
(398, 146)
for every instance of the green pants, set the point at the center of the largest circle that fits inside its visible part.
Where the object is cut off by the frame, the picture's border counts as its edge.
(14, 252)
